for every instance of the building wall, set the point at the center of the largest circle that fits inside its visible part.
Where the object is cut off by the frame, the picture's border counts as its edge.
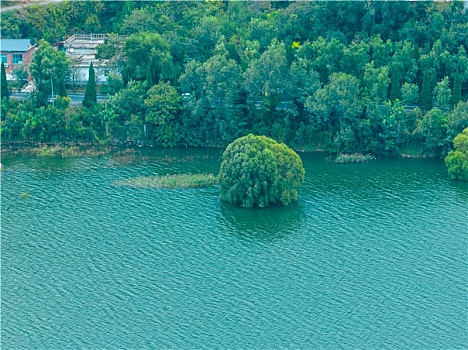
(26, 59)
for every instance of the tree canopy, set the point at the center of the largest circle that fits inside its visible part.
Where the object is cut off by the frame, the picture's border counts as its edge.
(48, 66)
(352, 77)
(4, 84)
(257, 171)
(90, 95)
(457, 160)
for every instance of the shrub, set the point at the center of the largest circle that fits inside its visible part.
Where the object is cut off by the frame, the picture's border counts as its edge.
(457, 160)
(258, 171)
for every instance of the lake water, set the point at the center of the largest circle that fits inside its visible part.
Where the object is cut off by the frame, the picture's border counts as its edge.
(373, 256)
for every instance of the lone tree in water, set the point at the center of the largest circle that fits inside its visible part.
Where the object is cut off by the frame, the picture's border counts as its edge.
(4, 92)
(90, 96)
(257, 171)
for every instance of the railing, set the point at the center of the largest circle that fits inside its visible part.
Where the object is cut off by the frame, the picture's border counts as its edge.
(92, 37)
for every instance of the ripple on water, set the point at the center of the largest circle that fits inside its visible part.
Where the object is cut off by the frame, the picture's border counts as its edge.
(372, 256)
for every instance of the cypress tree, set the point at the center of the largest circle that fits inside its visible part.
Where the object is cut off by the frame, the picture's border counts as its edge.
(4, 92)
(425, 99)
(456, 93)
(149, 77)
(90, 96)
(62, 91)
(395, 91)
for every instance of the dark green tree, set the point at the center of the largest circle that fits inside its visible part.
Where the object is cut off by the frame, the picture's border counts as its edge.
(145, 51)
(90, 96)
(62, 90)
(268, 77)
(432, 127)
(140, 21)
(457, 160)
(20, 76)
(4, 83)
(457, 120)
(375, 82)
(149, 77)
(409, 93)
(442, 94)
(395, 91)
(163, 105)
(257, 171)
(456, 94)
(337, 108)
(425, 99)
(214, 90)
(48, 66)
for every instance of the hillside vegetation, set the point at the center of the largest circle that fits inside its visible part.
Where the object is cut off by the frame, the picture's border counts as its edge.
(378, 78)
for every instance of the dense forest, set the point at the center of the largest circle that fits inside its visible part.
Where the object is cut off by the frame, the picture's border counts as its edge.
(384, 78)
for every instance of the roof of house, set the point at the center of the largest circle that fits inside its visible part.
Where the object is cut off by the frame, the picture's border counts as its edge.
(15, 45)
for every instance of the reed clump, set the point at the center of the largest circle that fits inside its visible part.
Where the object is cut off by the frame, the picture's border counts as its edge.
(353, 158)
(171, 181)
(59, 151)
(24, 195)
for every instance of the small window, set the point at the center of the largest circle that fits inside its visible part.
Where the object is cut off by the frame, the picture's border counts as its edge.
(17, 58)
(3, 57)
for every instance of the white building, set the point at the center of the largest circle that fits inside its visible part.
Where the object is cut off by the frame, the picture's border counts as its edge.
(82, 49)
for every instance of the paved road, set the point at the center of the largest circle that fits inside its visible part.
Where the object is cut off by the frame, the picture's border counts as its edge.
(76, 99)
(20, 6)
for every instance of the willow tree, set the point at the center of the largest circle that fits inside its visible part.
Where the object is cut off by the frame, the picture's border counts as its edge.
(257, 171)
(147, 57)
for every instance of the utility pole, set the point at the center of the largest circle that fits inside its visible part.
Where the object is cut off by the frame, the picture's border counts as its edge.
(52, 84)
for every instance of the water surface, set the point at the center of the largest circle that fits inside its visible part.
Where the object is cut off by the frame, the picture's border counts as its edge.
(372, 256)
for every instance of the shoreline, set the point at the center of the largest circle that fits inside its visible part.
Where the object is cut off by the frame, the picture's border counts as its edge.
(88, 149)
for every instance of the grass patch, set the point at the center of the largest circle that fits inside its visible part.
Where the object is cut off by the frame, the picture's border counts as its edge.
(25, 195)
(353, 158)
(130, 155)
(125, 157)
(171, 181)
(56, 151)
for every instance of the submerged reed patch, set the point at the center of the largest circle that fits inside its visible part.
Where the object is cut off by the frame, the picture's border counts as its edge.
(171, 181)
(24, 195)
(353, 158)
(57, 151)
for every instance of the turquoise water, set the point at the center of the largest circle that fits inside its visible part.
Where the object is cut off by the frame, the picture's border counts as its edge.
(373, 256)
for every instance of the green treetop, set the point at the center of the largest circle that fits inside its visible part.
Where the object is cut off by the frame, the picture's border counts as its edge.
(62, 90)
(4, 92)
(457, 160)
(395, 92)
(425, 99)
(456, 95)
(90, 96)
(257, 171)
(48, 66)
